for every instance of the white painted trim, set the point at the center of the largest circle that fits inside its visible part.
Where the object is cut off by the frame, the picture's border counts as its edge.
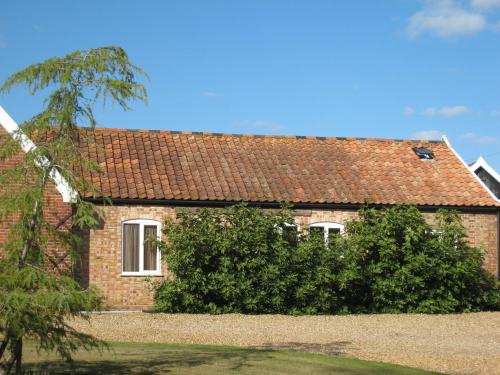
(142, 272)
(328, 225)
(481, 163)
(447, 142)
(67, 192)
(297, 227)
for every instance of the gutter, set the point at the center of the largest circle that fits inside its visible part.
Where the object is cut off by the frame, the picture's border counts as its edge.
(219, 203)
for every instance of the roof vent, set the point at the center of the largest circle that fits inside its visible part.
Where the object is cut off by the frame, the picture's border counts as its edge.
(424, 153)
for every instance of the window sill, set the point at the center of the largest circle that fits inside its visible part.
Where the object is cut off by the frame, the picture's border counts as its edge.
(141, 274)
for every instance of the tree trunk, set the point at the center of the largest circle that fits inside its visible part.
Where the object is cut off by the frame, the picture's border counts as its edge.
(19, 356)
(16, 351)
(4, 345)
(33, 222)
(6, 366)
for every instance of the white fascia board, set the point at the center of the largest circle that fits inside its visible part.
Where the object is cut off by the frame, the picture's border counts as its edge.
(67, 192)
(447, 142)
(481, 163)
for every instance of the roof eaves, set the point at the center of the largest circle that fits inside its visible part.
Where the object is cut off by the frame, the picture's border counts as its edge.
(67, 192)
(469, 168)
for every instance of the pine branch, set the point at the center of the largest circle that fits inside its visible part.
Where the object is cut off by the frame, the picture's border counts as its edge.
(34, 301)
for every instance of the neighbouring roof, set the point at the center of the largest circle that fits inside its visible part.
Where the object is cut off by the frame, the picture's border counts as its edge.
(488, 175)
(168, 165)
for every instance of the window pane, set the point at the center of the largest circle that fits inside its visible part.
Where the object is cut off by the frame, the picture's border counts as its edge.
(131, 247)
(317, 231)
(150, 249)
(290, 234)
(333, 232)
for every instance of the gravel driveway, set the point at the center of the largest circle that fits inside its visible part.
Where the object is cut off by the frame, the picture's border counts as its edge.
(455, 344)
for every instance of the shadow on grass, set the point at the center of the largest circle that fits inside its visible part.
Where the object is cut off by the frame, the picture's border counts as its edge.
(150, 362)
(336, 348)
(159, 359)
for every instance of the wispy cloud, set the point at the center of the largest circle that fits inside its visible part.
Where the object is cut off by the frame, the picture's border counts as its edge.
(446, 111)
(453, 18)
(259, 125)
(485, 4)
(210, 94)
(479, 139)
(408, 111)
(445, 18)
(428, 135)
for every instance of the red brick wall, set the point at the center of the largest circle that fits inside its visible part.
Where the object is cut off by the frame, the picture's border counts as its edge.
(482, 233)
(56, 212)
(104, 262)
(131, 292)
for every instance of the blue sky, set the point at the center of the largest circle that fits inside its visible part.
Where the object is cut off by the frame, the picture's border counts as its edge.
(392, 68)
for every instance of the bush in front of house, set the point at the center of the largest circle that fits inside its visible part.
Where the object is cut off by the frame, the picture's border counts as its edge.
(248, 260)
(245, 260)
(399, 263)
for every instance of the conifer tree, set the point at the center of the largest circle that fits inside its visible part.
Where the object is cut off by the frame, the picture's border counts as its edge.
(37, 294)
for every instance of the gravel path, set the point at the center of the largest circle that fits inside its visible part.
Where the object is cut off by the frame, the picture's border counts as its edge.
(454, 344)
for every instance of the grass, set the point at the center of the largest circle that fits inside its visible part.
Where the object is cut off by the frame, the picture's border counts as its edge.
(132, 358)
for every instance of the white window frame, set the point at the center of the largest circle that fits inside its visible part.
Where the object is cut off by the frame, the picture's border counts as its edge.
(142, 223)
(326, 225)
(288, 225)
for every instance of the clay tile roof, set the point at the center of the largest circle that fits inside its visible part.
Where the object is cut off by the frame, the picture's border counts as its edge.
(170, 165)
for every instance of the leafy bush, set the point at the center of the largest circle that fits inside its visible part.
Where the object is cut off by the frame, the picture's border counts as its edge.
(246, 260)
(399, 263)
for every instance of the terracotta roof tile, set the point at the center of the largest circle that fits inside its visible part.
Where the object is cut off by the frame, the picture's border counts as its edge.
(164, 165)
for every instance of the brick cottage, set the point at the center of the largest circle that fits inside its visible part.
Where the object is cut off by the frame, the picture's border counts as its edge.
(150, 175)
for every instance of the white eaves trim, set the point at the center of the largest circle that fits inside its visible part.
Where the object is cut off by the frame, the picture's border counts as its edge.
(447, 142)
(481, 163)
(67, 192)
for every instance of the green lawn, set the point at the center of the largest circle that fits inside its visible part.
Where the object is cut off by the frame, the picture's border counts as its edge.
(128, 358)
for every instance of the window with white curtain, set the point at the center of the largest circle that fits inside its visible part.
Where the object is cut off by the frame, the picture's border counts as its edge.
(140, 255)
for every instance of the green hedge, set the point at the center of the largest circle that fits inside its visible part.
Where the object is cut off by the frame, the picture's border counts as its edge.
(247, 260)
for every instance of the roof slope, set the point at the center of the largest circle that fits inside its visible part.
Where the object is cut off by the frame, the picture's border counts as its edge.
(164, 165)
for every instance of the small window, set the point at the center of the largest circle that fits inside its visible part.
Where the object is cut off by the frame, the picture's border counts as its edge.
(440, 235)
(424, 153)
(140, 255)
(326, 229)
(290, 233)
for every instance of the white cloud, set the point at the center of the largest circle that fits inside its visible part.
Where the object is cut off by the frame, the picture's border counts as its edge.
(428, 135)
(453, 111)
(408, 111)
(479, 139)
(485, 4)
(446, 111)
(446, 18)
(259, 125)
(210, 94)
(431, 111)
